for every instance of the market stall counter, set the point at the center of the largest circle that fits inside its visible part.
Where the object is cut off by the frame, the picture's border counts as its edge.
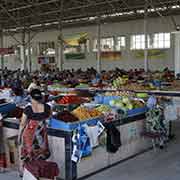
(61, 145)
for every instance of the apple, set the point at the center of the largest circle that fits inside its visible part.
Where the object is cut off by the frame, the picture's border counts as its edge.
(119, 104)
(125, 100)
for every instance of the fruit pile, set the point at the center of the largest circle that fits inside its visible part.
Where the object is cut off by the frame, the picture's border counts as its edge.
(142, 95)
(82, 85)
(119, 82)
(71, 100)
(120, 93)
(103, 108)
(126, 104)
(54, 93)
(83, 113)
(66, 116)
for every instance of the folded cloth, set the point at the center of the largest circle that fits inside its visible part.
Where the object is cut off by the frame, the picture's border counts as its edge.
(42, 168)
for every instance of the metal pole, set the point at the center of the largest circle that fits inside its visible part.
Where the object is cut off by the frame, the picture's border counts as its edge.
(60, 39)
(2, 45)
(29, 51)
(99, 45)
(146, 64)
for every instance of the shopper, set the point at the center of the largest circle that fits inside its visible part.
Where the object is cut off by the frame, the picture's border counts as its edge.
(33, 134)
(34, 84)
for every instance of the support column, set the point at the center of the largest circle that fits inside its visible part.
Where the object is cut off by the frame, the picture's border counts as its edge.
(60, 50)
(29, 51)
(99, 45)
(146, 63)
(60, 40)
(2, 46)
(176, 39)
(23, 52)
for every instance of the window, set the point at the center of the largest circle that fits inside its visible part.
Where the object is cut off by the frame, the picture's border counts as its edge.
(107, 44)
(138, 41)
(155, 41)
(160, 41)
(121, 43)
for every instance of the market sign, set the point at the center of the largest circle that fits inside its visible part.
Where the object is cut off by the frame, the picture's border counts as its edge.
(152, 54)
(5, 51)
(111, 55)
(46, 60)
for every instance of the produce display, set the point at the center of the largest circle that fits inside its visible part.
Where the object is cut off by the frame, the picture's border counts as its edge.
(125, 103)
(103, 108)
(83, 113)
(82, 85)
(66, 116)
(119, 82)
(120, 93)
(71, 100)
(109, 90)
(141, 95)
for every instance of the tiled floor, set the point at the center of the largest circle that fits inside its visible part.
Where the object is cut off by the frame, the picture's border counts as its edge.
(160, 165)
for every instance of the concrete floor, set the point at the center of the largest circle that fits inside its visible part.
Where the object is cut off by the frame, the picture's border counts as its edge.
(160, 165)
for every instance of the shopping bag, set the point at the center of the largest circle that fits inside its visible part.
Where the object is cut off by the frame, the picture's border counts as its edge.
(170, 113)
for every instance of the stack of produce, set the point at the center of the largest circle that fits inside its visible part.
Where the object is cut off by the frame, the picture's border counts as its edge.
(71, 100)
(54, 92)
(142, 95)
(66, 116)
(119, 82)
(82, 85)
(120, 93)
(103, 108)
(83, 113)
(138, 86)
(126, 104)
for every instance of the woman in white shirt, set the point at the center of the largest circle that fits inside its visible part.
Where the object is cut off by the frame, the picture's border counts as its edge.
(34, 85)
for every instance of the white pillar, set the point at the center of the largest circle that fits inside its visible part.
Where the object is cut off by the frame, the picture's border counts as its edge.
(29, 51)
(2, 45)
(146, 63)
(60, 40)
(60, 50)
(23, 52)
(99, 45)
(176, 37)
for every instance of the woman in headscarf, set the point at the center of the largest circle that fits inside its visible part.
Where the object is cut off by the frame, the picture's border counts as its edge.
(33, 132)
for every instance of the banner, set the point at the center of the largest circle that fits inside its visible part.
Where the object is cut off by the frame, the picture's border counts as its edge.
(5, 51)
(76, 46)
(111, 56)
(46, 60)
(152, 54)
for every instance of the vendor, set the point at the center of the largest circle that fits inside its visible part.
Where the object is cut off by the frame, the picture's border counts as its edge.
(34, 84)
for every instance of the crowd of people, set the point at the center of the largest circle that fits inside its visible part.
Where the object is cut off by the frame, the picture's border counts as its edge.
(22, 79)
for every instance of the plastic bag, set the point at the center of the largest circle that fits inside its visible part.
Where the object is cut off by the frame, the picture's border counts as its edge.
(170, 113)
